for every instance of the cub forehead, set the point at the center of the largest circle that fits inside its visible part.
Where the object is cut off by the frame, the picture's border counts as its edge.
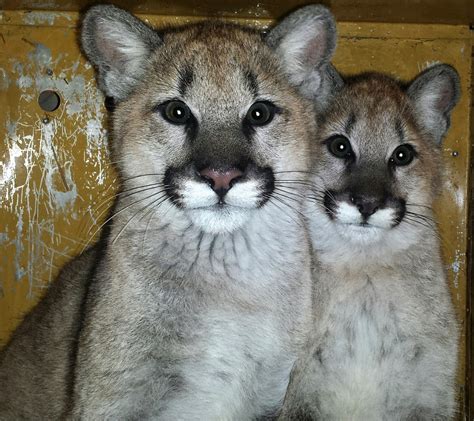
(375, 96)
(215, 62)
(216, 44)
(372, 109)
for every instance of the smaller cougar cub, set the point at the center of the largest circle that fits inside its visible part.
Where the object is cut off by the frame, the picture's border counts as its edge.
(384, 344)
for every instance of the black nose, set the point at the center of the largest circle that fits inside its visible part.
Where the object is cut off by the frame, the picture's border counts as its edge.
(367, 205)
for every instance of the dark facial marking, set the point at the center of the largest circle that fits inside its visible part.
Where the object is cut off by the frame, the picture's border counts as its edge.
(318, 355)
(186, 77)
(171, 187)
(350, 124)
(399, 130)
(251, 81)
(400, 207)
(268, 185)
(329, 203)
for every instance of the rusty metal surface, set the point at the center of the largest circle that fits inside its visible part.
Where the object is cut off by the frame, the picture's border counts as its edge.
(55, 176)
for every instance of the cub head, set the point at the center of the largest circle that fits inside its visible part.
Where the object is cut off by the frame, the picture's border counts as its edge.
(377, 158)
(208, 117)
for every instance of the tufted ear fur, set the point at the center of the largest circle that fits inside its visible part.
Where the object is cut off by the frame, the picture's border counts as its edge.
(305, 41)
(117, 44)
(434, 93)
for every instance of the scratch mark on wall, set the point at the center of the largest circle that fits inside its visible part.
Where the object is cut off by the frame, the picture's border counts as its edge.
(4, 80)
(456, 192)
(41, 163)
(41, 17)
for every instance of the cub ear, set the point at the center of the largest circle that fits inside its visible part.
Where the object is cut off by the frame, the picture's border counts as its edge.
(305, 41)
(434, 93)
(117, 44)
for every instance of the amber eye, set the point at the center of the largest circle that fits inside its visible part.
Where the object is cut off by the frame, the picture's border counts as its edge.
(260, 113)
(340, 147)
(176, 112)
(403, 155)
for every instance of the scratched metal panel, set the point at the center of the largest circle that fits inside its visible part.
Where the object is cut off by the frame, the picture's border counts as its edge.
(55, 173)
(53, 166)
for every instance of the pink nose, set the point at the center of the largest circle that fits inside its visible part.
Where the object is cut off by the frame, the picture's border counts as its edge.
(221, 180)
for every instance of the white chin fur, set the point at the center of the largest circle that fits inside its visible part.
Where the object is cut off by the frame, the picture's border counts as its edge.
(196, 194)
(348, 218)
(200, 203)
(359, 234)
(219, 219)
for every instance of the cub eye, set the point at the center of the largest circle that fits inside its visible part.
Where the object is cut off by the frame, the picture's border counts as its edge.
(176, 112)
(340, 147)
(403, 155)
(260, 113)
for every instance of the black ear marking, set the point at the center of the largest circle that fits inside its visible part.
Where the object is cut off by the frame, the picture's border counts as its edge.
(434, 93)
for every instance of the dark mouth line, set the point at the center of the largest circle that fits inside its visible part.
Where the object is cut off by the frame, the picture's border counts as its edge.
(360, 225)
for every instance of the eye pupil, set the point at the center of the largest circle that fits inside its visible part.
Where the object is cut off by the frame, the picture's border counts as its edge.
(176, 112)
(257, 114)
(340, 147)
(403, 155)
(260, 113)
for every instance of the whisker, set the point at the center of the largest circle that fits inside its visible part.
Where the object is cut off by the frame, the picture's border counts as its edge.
(131, 192)
(294, 171)
(142, 175)
(132, 218)
(289, 194)
(105, 210)
(152, 211)
(301, 182)
(291, 208)
(419, 206)
(116, 214)
(271, 201)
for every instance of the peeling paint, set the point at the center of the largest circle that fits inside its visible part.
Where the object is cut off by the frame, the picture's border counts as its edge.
(39, 166)
(41, 55)
(24, 82)
(3, 237)
(4, 80)
(41, 18)
(457, 192)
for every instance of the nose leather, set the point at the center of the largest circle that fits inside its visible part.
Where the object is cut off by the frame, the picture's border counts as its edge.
(367, 206)
(221, 179)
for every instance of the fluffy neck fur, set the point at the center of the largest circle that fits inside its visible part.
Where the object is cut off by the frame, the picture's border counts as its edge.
(169, 244)
(404, 245)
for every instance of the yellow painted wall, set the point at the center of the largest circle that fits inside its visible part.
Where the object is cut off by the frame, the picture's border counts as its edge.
(55, 176)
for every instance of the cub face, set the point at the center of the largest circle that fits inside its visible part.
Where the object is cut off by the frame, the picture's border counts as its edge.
(377, 159)
(216, 123)
(207, 118)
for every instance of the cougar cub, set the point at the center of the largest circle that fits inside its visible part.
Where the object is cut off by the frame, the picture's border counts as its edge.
(384, 338)
(199, 300)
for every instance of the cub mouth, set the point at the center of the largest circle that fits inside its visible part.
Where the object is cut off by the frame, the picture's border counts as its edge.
(217, 188)
(364, 212)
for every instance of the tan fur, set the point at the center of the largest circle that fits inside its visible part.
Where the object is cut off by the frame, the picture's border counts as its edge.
(384, 339)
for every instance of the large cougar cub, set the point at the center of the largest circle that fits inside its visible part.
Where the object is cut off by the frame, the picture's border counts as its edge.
(384, 339)
(198, 305)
